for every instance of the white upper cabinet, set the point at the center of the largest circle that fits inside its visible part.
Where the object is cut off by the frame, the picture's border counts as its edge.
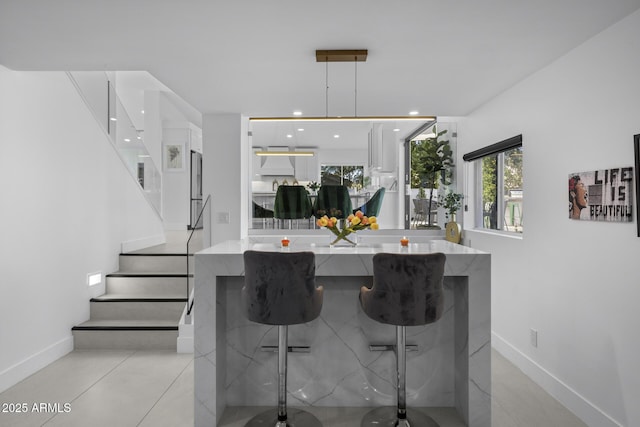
(306, 167)
(382, 149)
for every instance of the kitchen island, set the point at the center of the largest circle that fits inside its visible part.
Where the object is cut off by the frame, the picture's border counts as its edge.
(450, 367)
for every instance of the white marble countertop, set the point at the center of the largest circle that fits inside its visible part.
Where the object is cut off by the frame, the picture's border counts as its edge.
(305, 243)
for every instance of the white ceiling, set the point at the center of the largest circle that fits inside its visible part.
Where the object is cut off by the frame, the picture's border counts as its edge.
(258, 57)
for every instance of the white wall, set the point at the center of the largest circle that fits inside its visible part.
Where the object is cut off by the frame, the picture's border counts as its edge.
(153, 126)
(68, 204)
(176, 185)
(225, 174)
(576, 282)
(166, 124)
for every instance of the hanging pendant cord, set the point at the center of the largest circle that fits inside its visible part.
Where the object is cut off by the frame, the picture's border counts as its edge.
(355, 96)
(326, 78)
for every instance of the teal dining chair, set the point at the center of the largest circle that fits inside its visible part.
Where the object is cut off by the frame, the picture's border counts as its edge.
(262, 213)
(333, 201)
(292, 202)
(373, 205)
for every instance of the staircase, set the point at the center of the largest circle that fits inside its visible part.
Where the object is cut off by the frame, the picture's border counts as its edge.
(142, 305)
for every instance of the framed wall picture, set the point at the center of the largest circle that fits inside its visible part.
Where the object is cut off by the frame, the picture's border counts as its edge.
(636, 155)
(603, 195)
(174, 157)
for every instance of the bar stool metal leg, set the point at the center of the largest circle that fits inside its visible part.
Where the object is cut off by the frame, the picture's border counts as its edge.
(282, 375)
(401, 355)
(398, 417)
(283, 418)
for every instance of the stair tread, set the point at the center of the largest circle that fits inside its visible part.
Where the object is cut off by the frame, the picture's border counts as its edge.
(135, 297)
(141, 253)
(127, 323)
(124, 273)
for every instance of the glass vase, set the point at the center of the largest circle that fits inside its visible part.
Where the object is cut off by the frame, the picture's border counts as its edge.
(350, 240)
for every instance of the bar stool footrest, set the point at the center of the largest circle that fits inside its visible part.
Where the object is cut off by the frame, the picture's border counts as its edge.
(290, 349)
(388, 415)
(295, 418)
(391, 347)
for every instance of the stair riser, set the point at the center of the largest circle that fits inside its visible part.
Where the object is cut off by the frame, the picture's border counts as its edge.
(170, 311)
(125, 340)
(151, 263)
(157, 286)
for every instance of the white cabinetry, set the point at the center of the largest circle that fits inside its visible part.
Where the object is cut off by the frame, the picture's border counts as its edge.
(256, 164)
(306, 167)
(382, 149)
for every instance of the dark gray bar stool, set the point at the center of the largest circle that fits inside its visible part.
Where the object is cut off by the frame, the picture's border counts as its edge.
(280, 289)
(407, 291)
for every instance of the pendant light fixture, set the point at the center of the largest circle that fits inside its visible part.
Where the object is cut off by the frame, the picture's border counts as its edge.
(348, 55)
(355, 56)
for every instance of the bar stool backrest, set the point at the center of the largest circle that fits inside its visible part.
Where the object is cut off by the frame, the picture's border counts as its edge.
(280, 287)
(407, 289)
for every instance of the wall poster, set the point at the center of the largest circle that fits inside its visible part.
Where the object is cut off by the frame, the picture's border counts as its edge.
(174, 157)
(603, 195)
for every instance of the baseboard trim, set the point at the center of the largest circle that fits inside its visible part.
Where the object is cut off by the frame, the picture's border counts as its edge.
(185, 342)
(145, 242)
(32, 364)
(175, 226)
(184, 345)
(568, 397)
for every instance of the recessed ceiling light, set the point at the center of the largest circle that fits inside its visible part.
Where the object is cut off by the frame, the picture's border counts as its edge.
(127, 140)
(113, 119)
(297, 113)
(300, 130)
(396, 130)
(142, 111)
(289, 135)
(336, 136)
(413, 113)
(139, 137)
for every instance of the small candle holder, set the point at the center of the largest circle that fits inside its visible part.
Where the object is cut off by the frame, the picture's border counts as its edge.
(285, 242)
(404, 242)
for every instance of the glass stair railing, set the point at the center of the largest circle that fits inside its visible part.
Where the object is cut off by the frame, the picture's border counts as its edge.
(99, 95)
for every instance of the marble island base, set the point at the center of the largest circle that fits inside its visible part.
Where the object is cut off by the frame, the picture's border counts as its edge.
(237, 416)
(450, 366)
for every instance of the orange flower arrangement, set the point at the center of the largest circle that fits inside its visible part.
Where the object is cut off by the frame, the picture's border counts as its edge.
(354, 222)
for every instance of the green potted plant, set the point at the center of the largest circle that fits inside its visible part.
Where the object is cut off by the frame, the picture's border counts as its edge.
(432, 160)
(452, 202)
(313, 186)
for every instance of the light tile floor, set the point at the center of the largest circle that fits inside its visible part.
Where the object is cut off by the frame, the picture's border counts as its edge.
(155, 389)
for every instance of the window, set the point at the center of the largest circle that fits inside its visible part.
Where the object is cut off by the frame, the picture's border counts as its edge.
(350, 176)
(499, 196)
